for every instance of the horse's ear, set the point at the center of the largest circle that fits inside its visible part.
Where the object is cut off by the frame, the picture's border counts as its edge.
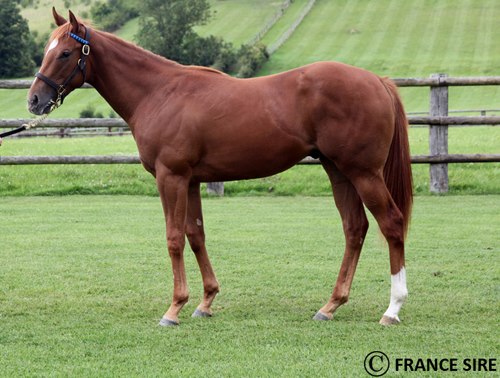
(74, 23)
(57, 18)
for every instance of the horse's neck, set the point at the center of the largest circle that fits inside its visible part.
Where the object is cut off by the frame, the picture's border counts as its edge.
(125, 75)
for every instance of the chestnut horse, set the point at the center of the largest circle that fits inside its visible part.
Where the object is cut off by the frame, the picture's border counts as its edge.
(195, 124)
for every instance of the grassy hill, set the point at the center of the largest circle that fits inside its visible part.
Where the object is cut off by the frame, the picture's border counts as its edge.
(238, 21)
(397, 38)
(390, 37)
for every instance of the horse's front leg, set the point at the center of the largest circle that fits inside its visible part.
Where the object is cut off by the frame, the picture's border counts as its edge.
(196, 237)
(174, 197)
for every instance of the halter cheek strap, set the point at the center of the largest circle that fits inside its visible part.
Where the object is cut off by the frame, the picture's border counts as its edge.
(80, 66)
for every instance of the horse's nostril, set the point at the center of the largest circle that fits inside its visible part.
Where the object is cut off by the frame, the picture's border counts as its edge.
(34, 100)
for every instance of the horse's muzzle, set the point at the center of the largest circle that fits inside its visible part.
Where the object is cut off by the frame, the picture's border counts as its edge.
(38, 106)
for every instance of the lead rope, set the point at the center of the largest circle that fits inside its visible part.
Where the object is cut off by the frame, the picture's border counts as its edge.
(33, 123)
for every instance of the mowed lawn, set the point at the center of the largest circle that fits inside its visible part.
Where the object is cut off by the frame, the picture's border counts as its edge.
(397, 38)
(85, 279)
(238, 21)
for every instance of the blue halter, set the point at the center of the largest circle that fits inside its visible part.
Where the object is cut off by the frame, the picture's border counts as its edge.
(79, 39)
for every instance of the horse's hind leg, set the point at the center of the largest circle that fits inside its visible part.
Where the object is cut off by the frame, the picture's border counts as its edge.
(196, 238)
(355, 226)
(375, 195)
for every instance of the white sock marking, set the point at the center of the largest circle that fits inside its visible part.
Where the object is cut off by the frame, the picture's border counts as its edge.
(399, 292)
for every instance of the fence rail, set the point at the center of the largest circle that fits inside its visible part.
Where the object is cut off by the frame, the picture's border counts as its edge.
(68, 123)
(444, 81)
(24, 84)
(438, 121)
(134, 159)
(118, 122)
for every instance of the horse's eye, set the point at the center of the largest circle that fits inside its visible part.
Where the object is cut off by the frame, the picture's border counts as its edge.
(65, 54)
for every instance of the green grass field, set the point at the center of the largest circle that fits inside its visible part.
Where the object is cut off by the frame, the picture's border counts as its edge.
(85, 279)
(397, 38)
(238, 21)
(287, 19)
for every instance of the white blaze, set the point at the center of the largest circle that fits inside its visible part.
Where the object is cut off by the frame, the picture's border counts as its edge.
(52, 45)
(399, 292)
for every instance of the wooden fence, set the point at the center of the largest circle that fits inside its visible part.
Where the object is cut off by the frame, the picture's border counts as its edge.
(438, 121)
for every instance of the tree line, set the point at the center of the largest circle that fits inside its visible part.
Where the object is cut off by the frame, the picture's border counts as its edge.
(166, 27)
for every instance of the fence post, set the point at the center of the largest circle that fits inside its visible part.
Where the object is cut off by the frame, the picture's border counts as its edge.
(215, 188)
(438, 136)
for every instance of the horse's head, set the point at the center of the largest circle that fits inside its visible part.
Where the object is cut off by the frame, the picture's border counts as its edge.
(63, 67)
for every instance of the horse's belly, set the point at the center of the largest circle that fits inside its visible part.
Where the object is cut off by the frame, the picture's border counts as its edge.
(247, 160)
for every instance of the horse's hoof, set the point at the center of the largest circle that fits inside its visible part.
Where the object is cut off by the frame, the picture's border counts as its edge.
(387, 320)
(164, 322)
(320, 316)
(201, 314)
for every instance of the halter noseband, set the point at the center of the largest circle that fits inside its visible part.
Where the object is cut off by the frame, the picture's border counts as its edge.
(81, 65)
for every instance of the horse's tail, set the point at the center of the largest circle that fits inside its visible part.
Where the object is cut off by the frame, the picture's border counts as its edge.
(397, 169)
